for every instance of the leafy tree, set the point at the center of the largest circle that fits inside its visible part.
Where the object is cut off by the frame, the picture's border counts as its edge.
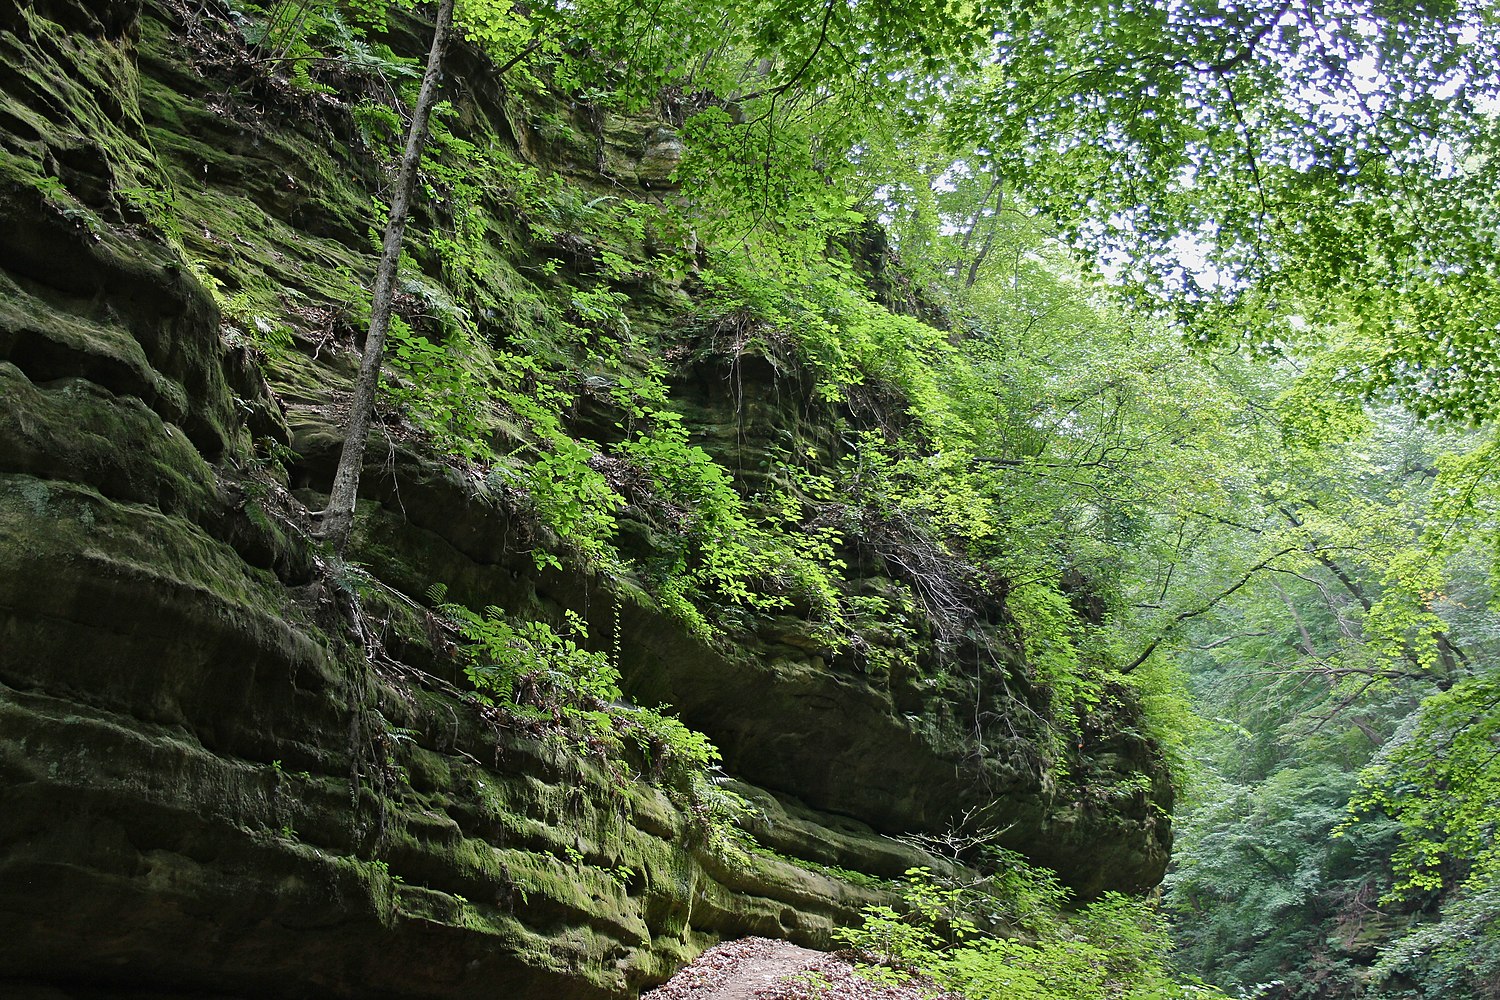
(1320, 669)
(1250, 164)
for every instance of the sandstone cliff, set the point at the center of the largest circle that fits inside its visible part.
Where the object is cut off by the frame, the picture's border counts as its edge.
(218, 780)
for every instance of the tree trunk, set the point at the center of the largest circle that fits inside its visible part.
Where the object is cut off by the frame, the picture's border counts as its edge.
(338, 518)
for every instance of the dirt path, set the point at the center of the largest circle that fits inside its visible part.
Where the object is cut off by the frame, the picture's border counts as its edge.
(762, 969)
(758, 975)
(746, 969)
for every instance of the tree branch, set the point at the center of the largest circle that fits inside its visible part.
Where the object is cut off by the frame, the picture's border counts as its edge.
(792, 80)
(1237, 59)
(1204, 608)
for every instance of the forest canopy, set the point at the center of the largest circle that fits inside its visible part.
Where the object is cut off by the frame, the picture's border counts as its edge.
(1265, 173)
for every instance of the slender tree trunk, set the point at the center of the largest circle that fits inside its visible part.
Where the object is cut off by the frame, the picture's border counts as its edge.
(338, 518)
(989, 236)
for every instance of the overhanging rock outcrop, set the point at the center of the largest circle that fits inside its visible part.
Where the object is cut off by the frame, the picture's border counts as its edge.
(208, 786)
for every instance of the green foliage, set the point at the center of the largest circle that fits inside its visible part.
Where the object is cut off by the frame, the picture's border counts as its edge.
(910, 941)
(1171, 723)
(1115, 947)
(527, 665)
(379, 126)
(1439, 779)
(440, 388)
(158, 206)
(842, 337)
(671, 746)
(1256, 875)
(686, 476)
(573, 499)
(1044, 625)
(1457, 954)
(1315, 673)
(601, 309)
(294, 38)
(1027, 896)
(537, 674)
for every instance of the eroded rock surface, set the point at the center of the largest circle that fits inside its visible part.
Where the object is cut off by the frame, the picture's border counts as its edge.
(207, 786)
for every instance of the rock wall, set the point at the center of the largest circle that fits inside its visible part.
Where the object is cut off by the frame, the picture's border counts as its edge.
(208, 785)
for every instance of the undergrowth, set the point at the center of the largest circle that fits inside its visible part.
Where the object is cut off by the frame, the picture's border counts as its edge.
(1113, 948)
(550, 682)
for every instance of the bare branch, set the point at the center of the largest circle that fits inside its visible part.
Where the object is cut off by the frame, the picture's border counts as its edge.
(1203, 608)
